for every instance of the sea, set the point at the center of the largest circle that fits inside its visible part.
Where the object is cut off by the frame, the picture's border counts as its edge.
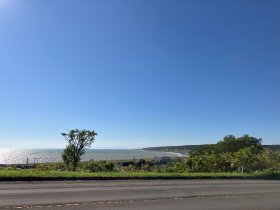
(22, 156)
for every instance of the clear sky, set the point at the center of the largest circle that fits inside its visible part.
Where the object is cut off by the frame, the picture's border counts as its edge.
(140, 73)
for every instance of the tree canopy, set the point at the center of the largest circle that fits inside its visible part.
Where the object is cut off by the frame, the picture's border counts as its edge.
(244, 153)
(232, 144)
(78, 141)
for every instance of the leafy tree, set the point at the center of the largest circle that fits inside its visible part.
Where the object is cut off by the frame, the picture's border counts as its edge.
(177, 166)
(250, 141)
(78, 141)
(210, 148)
(269, 159)
(228, 144)
(229, 155)
(245, 159)
(232, 144)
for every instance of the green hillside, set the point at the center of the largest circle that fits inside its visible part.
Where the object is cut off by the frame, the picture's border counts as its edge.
(185, 149)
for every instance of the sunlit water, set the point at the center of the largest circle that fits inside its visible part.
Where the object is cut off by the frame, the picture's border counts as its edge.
(19, 156)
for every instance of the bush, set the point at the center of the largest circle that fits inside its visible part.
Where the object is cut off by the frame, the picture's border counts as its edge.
(51, 166)
(178, 166)
(99, 166)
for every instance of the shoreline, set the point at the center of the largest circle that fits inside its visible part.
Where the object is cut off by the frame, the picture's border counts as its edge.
(10, 158)
(33, 165)
(176, 154)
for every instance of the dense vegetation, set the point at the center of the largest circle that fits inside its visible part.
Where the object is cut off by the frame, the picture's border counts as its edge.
(234, 155)
(229, 157)
(186, 149)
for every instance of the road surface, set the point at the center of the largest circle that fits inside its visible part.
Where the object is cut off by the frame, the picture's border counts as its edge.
(141, 194)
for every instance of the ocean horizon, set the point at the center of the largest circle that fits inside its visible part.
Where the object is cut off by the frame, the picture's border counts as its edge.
(22, 156)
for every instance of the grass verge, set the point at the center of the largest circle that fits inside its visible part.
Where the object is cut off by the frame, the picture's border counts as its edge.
(38, 175)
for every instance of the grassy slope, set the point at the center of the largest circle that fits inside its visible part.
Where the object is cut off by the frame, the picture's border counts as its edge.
(185, 149)
(32, 175)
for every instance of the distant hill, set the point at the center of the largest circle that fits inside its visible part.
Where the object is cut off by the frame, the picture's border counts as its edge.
(185, 149)
(274, 147)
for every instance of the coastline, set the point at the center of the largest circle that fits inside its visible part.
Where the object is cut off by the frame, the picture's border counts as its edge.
(178, 154)
(174, 154)
(35, 156)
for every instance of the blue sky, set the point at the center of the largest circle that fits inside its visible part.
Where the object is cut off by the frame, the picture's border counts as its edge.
(140, 73)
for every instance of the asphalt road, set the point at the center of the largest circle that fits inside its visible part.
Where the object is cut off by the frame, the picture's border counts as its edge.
(142, 194)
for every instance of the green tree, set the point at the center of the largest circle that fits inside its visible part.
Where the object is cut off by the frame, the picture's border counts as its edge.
(269, 159)
(245, 159)
(228, 155)
(78, 141)
(232, 144)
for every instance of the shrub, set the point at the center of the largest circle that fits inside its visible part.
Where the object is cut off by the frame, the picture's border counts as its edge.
(99, 166)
